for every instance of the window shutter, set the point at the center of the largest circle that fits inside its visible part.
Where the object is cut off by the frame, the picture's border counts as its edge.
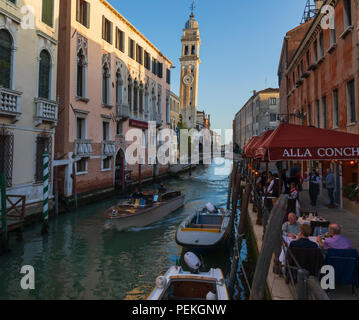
(110, 25)
(103, 28)
(116, 39)
(88, 15)
(78, 11)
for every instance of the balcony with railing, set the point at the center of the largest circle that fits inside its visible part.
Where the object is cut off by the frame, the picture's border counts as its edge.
(83, 148)
(108, 148)
(45, 111)
(122, 111)
(10, 104)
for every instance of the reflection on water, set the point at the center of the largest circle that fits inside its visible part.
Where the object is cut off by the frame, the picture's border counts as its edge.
(80, 259)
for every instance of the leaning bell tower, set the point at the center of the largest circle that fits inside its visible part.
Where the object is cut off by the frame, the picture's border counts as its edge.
(190, 62)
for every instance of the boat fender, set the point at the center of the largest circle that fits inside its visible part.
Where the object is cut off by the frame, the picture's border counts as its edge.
(161, 282)
(114, 213)
(211, 296)
(210, 207)
(192, 261)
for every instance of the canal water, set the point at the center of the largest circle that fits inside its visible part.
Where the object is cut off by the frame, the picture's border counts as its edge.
(81, 259)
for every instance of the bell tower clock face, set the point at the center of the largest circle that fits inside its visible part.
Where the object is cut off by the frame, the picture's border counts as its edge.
(188, 79)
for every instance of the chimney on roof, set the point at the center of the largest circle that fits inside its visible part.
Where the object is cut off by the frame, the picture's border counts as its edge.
(318, 4)
(254, 92)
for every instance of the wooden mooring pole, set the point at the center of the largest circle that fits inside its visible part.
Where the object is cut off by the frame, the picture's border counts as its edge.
(269, 243)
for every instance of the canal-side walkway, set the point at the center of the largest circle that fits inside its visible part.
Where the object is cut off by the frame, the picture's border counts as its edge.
(277, 287)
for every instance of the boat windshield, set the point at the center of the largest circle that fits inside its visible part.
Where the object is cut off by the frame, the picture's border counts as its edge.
(189, 290)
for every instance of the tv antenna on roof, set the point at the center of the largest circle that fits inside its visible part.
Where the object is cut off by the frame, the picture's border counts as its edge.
(310, 11)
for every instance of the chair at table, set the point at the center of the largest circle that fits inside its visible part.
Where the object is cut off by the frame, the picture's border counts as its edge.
(318, 231)
(310, 259)
(346, 266)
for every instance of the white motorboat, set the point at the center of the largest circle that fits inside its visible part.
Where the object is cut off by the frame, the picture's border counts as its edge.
(178, 284)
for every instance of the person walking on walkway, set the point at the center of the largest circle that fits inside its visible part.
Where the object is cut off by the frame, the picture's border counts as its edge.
(314, 181)
(330, 185)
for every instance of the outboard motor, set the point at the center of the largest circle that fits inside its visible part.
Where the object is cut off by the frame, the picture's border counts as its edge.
(192, 262)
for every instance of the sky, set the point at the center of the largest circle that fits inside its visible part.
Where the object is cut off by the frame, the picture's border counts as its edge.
(240, 51)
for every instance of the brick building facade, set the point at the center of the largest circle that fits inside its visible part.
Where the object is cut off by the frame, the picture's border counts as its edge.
(319, 81)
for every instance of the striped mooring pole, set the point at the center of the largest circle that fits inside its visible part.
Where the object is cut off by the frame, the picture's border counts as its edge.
(45, 225)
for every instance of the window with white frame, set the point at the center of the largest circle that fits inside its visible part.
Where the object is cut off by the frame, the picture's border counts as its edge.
(81, 166)
(105, 131)
(80, 128)
(44, 75)
(83, 12)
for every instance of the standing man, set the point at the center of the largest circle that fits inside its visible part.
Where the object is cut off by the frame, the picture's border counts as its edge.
(330, 184)
(314, 182)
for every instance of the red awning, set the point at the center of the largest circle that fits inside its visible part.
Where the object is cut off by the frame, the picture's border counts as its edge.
(296, 142)
(247, 146)
(250, 152)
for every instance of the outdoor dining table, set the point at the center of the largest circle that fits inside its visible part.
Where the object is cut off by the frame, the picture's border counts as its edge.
(314, 222)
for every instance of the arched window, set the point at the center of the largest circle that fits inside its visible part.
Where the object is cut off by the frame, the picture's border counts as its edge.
(81, 75)
(44, 75)
(5, 59)
(105, 85)
(119, 87)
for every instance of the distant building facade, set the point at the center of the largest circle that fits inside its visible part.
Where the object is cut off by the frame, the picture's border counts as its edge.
(260, 113)
(175, 109)
(112, 79)
(203, 121)
(28, 96)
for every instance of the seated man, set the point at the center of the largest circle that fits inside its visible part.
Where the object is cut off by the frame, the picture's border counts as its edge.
(162, 189)
(303, 238)
(137, 194)
(291, 228)
(336, 241)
